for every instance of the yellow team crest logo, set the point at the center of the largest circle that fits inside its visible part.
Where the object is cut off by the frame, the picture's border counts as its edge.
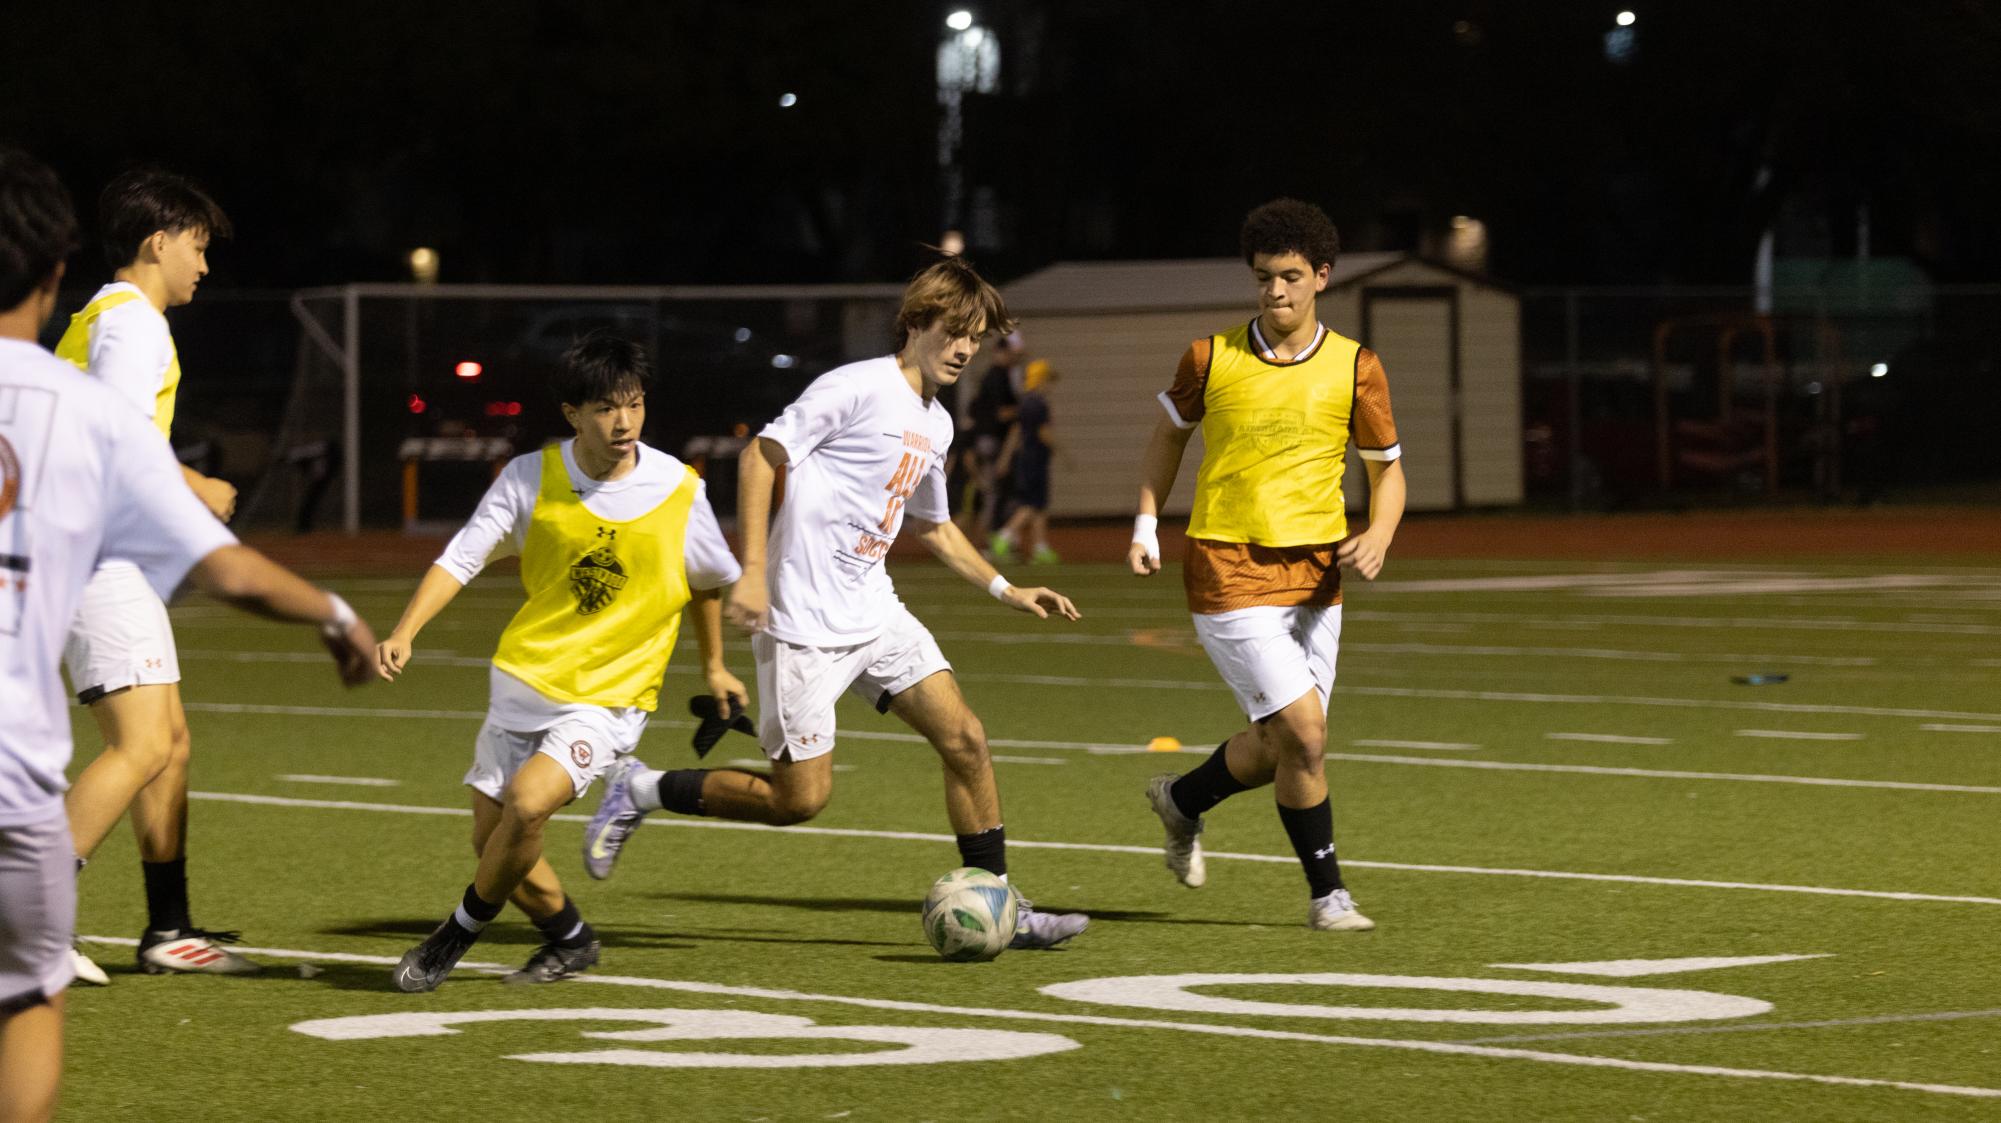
(596, 578)
(1273, 431)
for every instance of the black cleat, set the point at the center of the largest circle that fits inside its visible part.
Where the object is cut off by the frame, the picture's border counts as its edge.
(554, 962)
(425, 966)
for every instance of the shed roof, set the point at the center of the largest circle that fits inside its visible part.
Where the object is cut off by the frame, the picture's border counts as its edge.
(1209, 282)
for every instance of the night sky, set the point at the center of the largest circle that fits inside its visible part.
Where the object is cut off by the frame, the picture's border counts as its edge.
(644, 142)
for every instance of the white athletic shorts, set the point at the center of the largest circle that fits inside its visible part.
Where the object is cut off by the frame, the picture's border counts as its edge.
(585, 741)
(120, 637)
(1272, 655)
(798, 685)
(37, 912)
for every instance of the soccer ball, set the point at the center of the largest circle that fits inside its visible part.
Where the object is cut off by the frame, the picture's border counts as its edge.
(969, 915)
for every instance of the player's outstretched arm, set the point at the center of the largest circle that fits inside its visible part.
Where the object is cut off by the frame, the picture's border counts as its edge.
(949, 544)
(1366, 551)
(1158, 467)
(705, 609)
(433, 593)
(219, 496)
(250, 581)
(757, 470)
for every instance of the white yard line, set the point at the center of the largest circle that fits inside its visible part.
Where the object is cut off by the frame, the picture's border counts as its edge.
(1114, 748)
(1887, 1019)
(1776, 623)
(1439, 746)
(1608, 739)
(1113, 848)
(1937, 728)
(1797, 735)
(355, 781)
(1444, 1048)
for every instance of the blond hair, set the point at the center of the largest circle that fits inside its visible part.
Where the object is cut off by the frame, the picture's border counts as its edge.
(950, 290)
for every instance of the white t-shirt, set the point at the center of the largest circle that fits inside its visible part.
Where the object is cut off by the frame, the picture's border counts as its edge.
(82, 474)
(864, 449)
(131, 347)
(499, 528)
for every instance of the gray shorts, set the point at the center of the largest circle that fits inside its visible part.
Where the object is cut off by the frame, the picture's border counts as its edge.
(37, 911)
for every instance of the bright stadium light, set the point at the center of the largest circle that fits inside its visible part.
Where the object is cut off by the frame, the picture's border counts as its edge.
(1625, 19)
(468, 370)
(1879, 370)
(424, 265)
(787, 101)
(959, 20)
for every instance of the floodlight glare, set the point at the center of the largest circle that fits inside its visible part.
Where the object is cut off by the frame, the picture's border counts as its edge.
(1879, 370)
(959, 20)
(468, 369)
(1625, 19)
(787, 101)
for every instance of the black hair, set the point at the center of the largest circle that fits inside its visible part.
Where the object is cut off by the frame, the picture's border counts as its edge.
(37, 225)
(602, 367)
(139, 203)
(1291, 226)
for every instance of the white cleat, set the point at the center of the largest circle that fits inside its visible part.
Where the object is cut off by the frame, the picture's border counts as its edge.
(192, 951)
(1336, 913)
(1183, 848)
(87, 970)
(1034, 928)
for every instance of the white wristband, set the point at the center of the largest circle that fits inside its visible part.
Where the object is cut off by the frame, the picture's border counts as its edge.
(1146, 533)
(998, 587)
(343, 616)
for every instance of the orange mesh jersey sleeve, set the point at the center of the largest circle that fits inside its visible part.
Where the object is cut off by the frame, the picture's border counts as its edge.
(1375, 428)
(1184, 399)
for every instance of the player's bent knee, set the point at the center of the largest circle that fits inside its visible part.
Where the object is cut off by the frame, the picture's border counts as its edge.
(787, 810)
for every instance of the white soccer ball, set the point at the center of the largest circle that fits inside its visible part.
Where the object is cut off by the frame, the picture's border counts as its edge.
(969, 915)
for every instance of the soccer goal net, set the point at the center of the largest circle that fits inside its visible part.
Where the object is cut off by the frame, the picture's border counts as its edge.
(406, 398)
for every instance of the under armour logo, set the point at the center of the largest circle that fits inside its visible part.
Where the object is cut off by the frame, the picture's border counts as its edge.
(1324, 853)
(1259, 698)
(608, 535)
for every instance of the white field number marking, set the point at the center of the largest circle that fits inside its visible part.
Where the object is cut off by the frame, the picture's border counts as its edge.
(1627, 1005)
(920, 1045)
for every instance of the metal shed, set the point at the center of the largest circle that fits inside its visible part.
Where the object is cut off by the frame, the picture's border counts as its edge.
(1115, 330)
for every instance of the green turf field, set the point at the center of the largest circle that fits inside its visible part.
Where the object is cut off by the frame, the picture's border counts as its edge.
(1548, 793)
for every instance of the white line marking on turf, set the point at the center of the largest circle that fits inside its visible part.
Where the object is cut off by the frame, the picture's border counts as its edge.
(1937, 728)
(999, 759)
(1093, 747)
(1609, 739)
(1442, 746)
(1114, 848)
(1665, 774)
(1635, 968)
(1440, 1047)
(1797, 735)
(1887, 1019)
(356, 781)
(1789, 623)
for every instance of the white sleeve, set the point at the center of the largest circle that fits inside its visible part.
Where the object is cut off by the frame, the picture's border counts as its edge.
(129, 351)
(814, 416)
(705, 553)
(931, 501)
(152, 517)
(499, 524)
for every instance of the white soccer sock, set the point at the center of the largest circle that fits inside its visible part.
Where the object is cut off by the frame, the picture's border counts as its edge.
(464, 919)
(645, 789)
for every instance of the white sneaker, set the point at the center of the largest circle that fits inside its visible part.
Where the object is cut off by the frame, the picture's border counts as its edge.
(87, 970)
(1036, 929)
(1183, 848)
(1336, 913)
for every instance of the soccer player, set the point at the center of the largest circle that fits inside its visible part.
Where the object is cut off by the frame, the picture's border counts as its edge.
(616, 539)
(864, 452)
(1030, 444)
(121, 655)
(81, 475)
(1278, 399)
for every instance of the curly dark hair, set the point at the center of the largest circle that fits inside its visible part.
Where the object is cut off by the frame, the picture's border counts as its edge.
(1291, 226)
(37, 225)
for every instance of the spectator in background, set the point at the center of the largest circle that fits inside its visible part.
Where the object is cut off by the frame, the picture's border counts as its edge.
(991, 414)
(1025, 458)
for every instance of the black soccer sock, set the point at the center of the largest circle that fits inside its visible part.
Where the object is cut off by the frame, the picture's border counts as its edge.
(1206, 785)
(986, 850)
(474, 912)
(167, 895)
(681, 791)
(1312, 832)
(567, 927)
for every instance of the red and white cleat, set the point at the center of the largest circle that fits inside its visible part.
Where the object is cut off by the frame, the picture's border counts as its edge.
(192, 951)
